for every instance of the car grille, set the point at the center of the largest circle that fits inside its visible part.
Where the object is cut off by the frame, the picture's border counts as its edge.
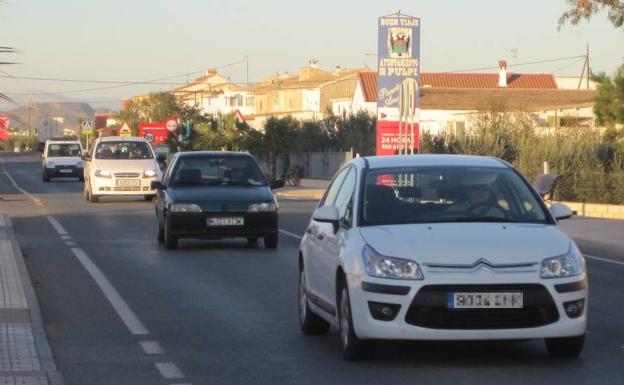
(429, 309)
(127, 175)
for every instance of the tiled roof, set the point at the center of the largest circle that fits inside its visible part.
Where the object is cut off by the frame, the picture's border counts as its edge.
(487, 81)
(368, 80)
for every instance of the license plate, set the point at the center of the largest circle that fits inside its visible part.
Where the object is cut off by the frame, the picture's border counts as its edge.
(226, 221)
(511, 300)
(128, 182)
(65, 171)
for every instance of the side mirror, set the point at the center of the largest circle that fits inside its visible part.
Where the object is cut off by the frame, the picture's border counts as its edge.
(560, 211)
(157, 185)
(327, 214)
(277, 184)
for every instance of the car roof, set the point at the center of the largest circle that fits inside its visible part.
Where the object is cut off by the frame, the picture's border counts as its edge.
(121, 139)
(187, 154)
(380, 162)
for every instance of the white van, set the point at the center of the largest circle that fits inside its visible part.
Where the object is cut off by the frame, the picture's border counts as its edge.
(62, 158)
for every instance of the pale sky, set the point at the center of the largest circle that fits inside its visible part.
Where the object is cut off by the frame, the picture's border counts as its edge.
(139, 40)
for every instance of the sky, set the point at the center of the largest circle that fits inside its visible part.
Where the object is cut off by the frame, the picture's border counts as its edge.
(139, 40)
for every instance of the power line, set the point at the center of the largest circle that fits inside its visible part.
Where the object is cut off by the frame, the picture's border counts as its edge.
(521, 64)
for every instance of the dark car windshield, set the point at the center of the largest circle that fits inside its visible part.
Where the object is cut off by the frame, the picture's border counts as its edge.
(449, 194)
(63, 149)
(217, 170)
(123, 150)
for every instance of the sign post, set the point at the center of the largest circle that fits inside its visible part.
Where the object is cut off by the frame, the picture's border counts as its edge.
(398, 67)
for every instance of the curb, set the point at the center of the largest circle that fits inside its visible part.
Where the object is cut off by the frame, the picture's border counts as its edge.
(44, 353)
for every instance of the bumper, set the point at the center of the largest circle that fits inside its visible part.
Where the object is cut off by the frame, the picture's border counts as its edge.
(110, 186)
(194, 225)
(65, 171)
(462, 324)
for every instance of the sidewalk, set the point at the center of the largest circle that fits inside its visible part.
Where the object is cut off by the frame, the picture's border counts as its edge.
(300, 193)
(25, 357)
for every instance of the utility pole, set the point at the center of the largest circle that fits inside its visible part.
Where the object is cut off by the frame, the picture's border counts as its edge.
(247, 70)
(587, 55)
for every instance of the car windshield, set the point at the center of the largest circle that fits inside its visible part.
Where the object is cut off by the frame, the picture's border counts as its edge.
(63, 149)
(217, 171)
(123, 150)
(448, 194)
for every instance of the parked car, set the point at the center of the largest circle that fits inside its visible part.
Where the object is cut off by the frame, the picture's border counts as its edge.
(120, 166)
(436, 247)
(215, 195)
(62, 158)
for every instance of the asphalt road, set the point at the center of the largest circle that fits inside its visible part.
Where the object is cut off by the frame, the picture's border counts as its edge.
(225, 312)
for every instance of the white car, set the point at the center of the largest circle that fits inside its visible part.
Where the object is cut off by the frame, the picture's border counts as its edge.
(440, 247)
(120, 166)
(62, 158)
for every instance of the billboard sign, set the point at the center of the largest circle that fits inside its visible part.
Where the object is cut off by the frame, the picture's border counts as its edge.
(398, 70)
(388, 139)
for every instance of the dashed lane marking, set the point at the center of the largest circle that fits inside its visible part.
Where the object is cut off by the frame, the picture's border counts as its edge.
(57, 226)
(621, 263)
(71, 244)
(293, 235)
(151, 347)
(169, 370)
(121, 307)
(66, 237)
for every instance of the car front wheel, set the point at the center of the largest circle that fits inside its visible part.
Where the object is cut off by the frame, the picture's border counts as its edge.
(565, 347)
(353, 348)
(171, 241)
(160, 231)
(271, 241)
(45, 177)
(309, 322)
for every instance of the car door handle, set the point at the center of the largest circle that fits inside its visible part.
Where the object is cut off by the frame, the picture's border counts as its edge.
(320, 237)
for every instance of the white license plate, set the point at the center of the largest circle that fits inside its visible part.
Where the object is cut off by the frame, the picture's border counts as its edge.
(65, 171)
(513, 300)
(128, 182)
(226, 221)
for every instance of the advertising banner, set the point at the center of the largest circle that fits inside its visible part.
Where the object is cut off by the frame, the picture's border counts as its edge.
(4, 128)
(388, 140)
(398, 82)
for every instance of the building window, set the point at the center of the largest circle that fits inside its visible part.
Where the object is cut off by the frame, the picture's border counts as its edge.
(249, 101)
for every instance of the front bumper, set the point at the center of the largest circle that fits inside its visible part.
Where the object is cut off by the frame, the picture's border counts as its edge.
(194, 225)
(64, 171)
(423, 314)
(111, 186)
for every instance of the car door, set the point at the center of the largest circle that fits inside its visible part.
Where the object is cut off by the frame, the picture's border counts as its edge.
(312, 245)
(162, 195)
(333, 240)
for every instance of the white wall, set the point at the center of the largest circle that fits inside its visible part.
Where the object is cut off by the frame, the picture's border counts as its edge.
(312, 100)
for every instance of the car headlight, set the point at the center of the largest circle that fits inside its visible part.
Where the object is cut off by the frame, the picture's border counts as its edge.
(185, 208)
(262, 207)
(566, 265)
(149, 173)
(103, 173)
(381, 266)
(50, 165)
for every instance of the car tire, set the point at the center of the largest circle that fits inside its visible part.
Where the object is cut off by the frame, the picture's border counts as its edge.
(45, 177)
(353, 348)
(310, 323)
(171, 241)
(566, 346)
(92, 197)
(148, 198)
(160, 231)
(86, 192)
(271, 241)
(81, 178)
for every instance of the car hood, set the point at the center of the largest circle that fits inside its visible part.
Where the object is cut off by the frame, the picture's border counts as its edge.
(220, 197)
(64, 160)
(125, 165)
(465, 243)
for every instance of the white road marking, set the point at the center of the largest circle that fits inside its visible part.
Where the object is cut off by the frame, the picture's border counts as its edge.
(605, 260)
(57, 226)
(71, 244)
(66, 237)
(121, 307)
(169, 370)
(29, 195)
(151, 347)
(290, 234)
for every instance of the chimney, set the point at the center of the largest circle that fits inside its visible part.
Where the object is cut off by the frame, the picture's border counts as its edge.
(313, 63)
(502, 73)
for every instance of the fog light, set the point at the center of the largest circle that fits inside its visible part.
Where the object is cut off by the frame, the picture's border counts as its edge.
(574, 309)
(383, 311)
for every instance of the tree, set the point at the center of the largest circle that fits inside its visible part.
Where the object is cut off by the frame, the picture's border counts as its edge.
(609, 105)
(158, 107)
(584, 9)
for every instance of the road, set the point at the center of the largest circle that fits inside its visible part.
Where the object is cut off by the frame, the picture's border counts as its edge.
(120, 309)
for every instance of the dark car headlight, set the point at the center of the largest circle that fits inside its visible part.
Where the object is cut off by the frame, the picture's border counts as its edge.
(262, 207)
(185, 208)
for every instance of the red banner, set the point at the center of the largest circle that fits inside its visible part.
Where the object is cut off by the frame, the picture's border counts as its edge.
(4, 128)
(388, 137)
(154, 132)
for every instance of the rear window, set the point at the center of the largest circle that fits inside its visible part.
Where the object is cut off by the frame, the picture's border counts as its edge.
(63, 149)
(449, 194)
(123, 150)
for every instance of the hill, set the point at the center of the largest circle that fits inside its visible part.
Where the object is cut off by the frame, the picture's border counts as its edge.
(71, 112)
